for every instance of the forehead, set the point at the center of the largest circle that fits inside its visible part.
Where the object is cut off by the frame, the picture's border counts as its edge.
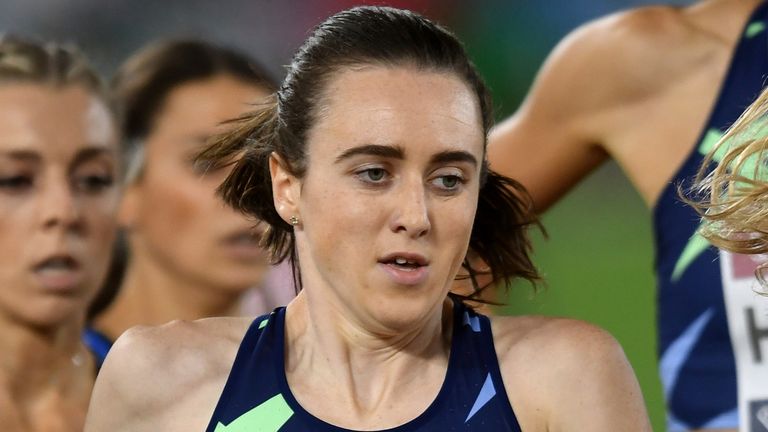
(399, 106)
(43, 118)
(213, 100)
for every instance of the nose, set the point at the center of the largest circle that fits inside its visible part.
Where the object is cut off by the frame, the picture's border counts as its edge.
(59, 206)
(412, 210)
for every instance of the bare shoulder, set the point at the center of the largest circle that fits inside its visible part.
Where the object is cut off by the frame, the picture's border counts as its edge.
(177, 353)
(151, 370)
(536, 337)
(609, 64)
(555, 367)
(637, 54)
(646, 27)
(638, 50)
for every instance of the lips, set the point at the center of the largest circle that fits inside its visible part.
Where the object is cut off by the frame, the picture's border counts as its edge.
(405, 268)
(404, 258)
(60, 272)
(243, 237)
(244, 245)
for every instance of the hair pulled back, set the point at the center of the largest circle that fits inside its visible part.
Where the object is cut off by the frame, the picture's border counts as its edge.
(379, 36)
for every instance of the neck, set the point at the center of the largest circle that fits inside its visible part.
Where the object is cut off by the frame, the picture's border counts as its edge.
(153, 295)
(367, 367)
(36, 362)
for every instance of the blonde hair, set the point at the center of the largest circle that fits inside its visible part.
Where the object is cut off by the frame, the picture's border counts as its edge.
(23, 60)
(733, 198)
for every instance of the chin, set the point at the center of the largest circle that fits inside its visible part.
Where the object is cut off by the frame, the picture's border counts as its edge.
(236, 276)
(50, 316)
(403, 313)
(232, 286)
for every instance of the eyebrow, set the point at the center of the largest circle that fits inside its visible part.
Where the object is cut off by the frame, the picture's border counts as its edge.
(81, 156)
(396, 152)
(90, 153)
(453, 156)
(22, 155)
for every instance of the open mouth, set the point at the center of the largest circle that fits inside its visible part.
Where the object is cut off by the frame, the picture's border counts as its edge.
(57, 264)
(60, 272)
(405, 268)
(404, 264)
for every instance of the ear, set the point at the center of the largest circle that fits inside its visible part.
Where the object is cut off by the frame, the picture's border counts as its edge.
(286, 188)
(127, 213)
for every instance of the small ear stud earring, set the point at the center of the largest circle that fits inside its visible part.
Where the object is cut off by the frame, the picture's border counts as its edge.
(293, 220)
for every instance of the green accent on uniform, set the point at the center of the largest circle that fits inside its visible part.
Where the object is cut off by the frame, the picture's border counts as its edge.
(695, 247)
(754, 29)
(749, 168)
(270, 416)
(708, 143)
(697, 244)
(263, 323)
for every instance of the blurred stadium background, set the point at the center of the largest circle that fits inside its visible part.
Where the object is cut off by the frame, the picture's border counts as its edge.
(598, 259)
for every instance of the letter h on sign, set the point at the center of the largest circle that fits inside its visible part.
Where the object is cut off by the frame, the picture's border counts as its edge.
(756, 335)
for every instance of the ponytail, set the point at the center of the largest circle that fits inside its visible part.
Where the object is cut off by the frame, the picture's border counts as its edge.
(499, 235)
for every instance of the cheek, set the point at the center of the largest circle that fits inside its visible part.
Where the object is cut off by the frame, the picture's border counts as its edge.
(454, 223)
(171, 198)
(333, 215)
(15, 234)
(338, 210)
(101, 218)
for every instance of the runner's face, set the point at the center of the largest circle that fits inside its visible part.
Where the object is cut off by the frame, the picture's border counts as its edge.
(175, 218)
(389, 197)
(58, 198)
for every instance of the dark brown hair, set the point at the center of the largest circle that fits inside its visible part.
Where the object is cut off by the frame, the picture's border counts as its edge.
(367, 36)
(140, 87)
(142, 84)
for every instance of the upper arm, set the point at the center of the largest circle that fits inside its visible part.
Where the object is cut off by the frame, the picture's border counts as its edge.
(124, 392)
(567, 375)
(165, 378)
(598, 388)
(562, 130)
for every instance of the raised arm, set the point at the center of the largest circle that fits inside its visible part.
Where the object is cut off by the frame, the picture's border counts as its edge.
(582, 103)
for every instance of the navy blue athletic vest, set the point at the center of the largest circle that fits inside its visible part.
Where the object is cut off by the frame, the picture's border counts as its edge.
(696, 356)
(257, 397)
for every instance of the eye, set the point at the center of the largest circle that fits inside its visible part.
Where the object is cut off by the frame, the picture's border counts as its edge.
(16, 183)
(448, 182)
(372, 175)
(92, 184)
